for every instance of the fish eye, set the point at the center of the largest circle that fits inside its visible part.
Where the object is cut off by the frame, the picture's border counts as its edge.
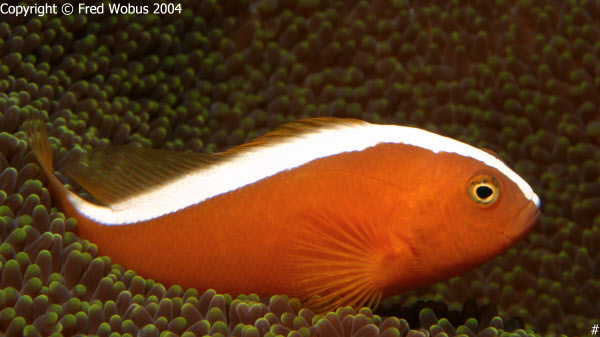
(483, 189)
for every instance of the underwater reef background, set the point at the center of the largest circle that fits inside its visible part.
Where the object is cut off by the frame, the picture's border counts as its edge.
(519, 77)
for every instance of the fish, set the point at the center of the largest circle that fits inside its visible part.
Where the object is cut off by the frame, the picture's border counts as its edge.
(333, 211)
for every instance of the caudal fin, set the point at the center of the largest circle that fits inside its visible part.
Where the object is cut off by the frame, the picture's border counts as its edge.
(38, 140)
(37, 135)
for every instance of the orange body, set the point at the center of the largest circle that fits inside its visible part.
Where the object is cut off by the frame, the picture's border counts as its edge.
(236, 242)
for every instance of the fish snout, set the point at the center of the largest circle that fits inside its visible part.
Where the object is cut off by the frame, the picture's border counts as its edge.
(523, 223)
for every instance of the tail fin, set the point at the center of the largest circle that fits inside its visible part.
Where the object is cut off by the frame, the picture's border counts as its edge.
(37, 134)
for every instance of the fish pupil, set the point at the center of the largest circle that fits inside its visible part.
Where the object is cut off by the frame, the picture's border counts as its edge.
(484, 192)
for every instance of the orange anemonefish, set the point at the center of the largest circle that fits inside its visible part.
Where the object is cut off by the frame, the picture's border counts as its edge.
(338, 208)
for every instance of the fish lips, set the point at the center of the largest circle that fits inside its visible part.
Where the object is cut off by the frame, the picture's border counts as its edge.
(523, 223)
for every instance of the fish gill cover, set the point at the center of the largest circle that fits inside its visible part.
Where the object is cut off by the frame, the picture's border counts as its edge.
(519, 77)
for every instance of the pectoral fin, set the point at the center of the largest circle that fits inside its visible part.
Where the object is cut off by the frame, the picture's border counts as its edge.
(336, 261)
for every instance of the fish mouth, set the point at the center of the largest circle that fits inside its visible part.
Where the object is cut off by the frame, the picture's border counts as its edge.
(523, 223)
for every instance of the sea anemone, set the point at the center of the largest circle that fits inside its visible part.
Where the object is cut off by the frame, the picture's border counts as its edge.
(517, 77)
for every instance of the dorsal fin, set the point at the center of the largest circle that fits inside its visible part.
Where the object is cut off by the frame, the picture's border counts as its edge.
(115, 173)
(294, 129)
